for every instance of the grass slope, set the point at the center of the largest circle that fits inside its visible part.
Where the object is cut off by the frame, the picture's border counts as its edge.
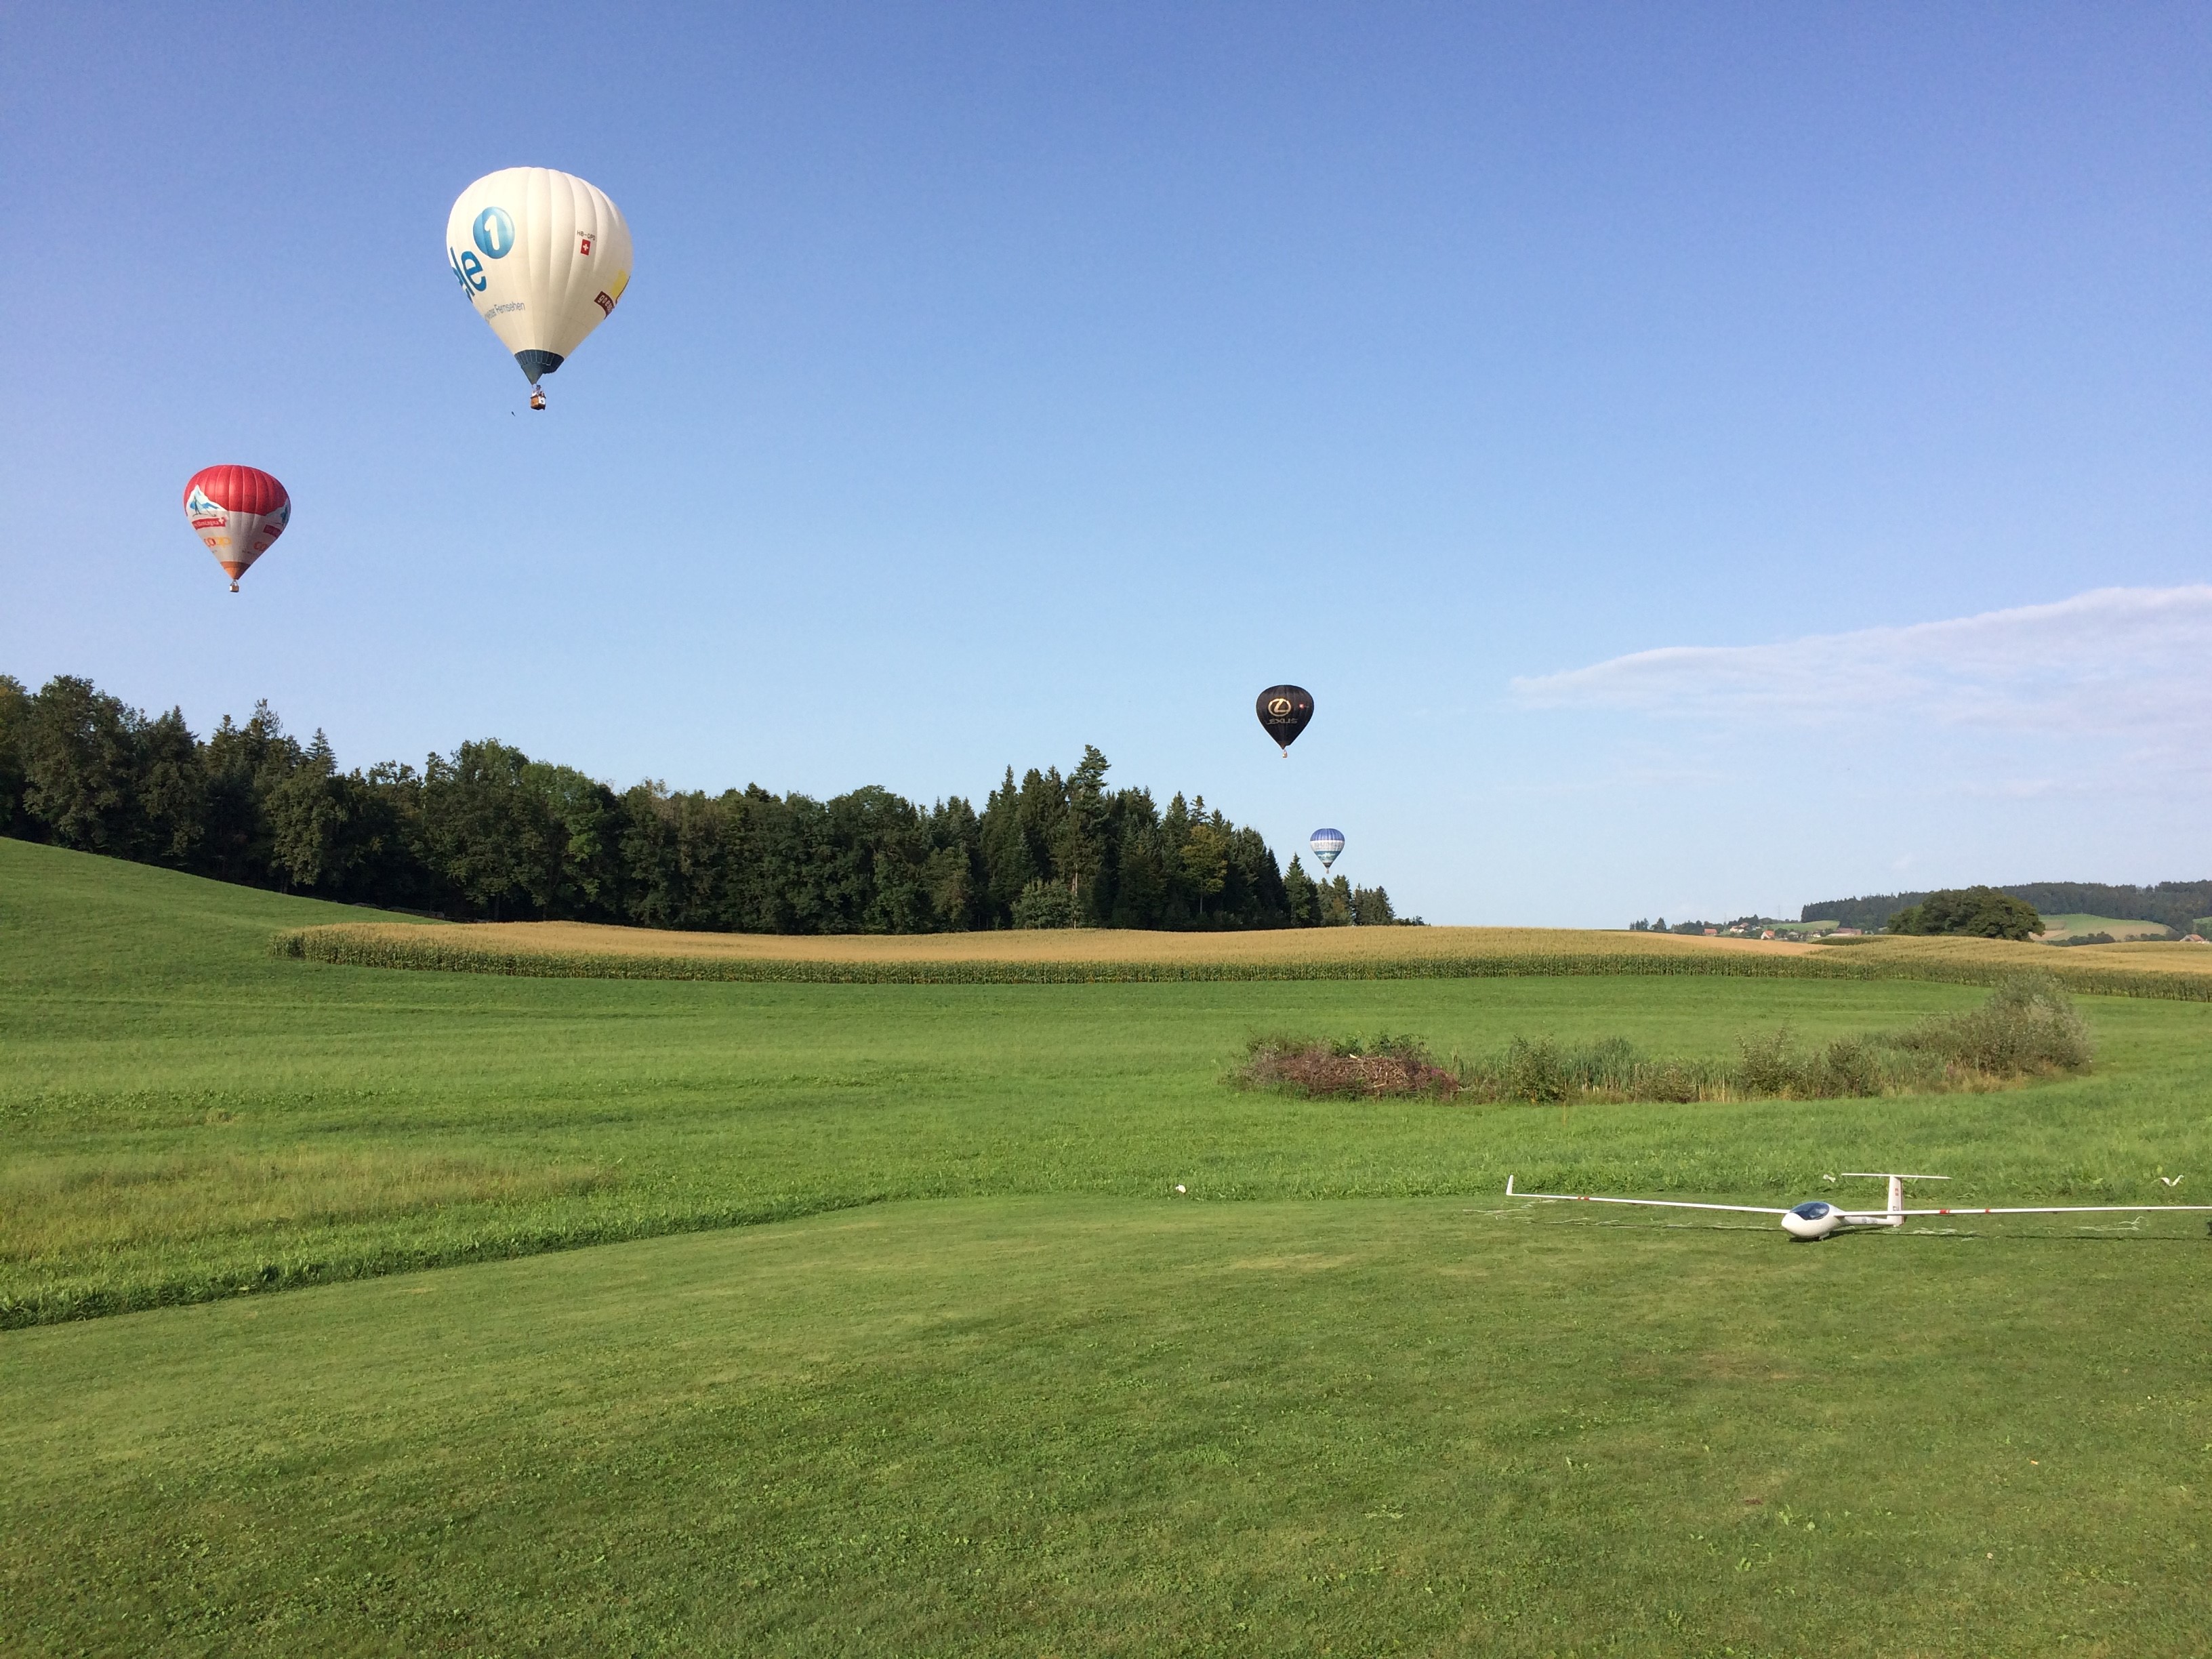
(188, 1118)
(1140, 1427)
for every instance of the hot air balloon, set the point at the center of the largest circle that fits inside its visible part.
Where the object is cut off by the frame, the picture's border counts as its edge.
(1285, 710)
(544, 257)
(238, 511)
(1327, 844)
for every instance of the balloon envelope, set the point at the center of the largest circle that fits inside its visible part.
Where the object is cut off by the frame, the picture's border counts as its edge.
(237, 512)
(1327, 844)
(544, 257)
(1285, 710)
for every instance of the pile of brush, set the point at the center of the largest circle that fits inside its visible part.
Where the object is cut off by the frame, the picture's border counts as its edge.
(1368, 1067)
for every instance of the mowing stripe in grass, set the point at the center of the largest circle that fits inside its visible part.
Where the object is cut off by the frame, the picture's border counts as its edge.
(311, 1261)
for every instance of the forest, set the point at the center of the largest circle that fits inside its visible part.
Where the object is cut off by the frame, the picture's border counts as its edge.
(487, 832)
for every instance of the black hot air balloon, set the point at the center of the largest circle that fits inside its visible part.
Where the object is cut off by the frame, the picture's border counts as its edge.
(1285, 710)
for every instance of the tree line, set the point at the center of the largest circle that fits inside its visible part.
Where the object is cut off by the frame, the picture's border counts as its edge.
(487, 832)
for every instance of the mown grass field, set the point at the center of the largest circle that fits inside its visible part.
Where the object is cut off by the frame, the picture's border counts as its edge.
(985, 1385)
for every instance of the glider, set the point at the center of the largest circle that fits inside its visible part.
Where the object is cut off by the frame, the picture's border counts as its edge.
(1817, 1218)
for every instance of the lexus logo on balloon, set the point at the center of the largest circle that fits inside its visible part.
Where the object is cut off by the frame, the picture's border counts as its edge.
(1283, 711)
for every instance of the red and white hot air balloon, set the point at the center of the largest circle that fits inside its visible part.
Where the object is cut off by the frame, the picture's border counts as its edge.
(238, 511)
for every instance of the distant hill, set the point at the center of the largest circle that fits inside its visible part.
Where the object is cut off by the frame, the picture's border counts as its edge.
(2176, 904)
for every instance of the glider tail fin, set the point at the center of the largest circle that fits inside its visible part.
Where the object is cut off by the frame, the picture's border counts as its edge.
(1894, 1216)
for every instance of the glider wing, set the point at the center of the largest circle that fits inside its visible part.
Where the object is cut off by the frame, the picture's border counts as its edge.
(1647, 1203)
(2045, 1209)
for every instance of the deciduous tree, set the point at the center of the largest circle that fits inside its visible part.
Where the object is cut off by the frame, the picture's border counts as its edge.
(1977, 912)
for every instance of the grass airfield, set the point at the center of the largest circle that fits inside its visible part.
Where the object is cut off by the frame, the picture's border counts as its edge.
(983, 1385)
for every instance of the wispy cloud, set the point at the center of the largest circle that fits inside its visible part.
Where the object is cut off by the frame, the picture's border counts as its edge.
(2132, 661)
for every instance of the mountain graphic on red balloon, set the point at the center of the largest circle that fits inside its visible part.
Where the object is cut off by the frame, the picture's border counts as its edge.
(237, 512)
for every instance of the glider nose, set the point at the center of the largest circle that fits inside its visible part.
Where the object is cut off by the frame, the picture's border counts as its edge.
(1811, 1221)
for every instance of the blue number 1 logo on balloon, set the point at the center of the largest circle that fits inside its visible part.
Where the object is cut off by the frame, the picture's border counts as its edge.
(494, 233)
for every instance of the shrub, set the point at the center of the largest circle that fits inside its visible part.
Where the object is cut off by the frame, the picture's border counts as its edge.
(1849, 1066)
(1769, 1065)
(1672, 1081)
(1852, 1066)
(1534, 1071)
(2028, 1026)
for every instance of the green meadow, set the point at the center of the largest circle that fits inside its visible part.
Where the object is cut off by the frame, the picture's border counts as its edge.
(353, 1311)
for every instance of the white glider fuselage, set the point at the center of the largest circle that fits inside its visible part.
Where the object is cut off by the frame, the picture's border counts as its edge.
(1817, 1218)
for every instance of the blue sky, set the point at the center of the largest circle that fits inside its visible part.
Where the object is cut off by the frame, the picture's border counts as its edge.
(1701, 459)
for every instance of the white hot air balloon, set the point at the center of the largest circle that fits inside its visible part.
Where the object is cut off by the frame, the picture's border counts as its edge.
(544, 257)
(1327, 844)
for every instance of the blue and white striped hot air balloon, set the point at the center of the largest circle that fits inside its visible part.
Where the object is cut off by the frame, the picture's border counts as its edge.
(1327, 844)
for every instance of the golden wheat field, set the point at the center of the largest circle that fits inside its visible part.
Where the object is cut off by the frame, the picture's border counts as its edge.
(1071, 945)
(587, 950)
